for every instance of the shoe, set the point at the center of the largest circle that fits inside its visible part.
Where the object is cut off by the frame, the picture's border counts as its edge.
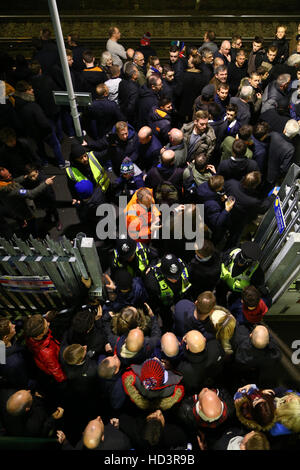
(62, 166)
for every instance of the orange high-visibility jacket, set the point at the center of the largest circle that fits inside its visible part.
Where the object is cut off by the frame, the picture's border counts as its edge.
(139, 219)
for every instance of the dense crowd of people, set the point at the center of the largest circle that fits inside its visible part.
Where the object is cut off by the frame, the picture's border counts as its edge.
(176, 355)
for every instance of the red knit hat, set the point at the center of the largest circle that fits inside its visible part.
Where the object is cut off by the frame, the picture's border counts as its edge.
(145, 41)
(152, 374)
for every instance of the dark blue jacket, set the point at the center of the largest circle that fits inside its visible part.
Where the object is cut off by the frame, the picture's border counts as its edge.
(16, 370)
(117, 151)
(185, 321)
(113, 388)
(158, 174)
(148, 154)
(137, 296)
(236, 169)
(103, 114)
(217, 218)
(147, 99)
(204, 193)
(260, 153)
(123, 187)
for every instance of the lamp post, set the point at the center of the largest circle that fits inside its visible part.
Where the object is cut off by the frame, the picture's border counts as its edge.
(65, 67)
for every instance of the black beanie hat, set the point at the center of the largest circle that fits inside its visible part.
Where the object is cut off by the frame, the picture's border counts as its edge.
(77, 151)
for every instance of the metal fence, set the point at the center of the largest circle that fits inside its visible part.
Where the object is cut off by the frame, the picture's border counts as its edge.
(37, 276)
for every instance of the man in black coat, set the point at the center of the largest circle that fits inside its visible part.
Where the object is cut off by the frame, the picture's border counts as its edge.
(87, 330)
(248, 202)
(153, 432)
(238, 165)
(205, 268)
(91, 75)
(149, 148)
(202, 361)
(148, 98)
(256, 351)
(129, 93)
(97, 436)
(281, 153)
(47, 51)
(165, 171)
(237, 70)
(35, 122)
(16, 152)
(103, 113)
(25, 415)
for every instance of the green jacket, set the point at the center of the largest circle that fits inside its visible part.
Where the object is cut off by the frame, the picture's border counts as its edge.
(226, 148)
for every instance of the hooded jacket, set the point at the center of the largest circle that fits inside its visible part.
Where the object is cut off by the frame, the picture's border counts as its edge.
(45, 354)
(236, 168)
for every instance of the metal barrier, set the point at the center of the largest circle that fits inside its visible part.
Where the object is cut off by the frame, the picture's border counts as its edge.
(37, 276)
(280, 258)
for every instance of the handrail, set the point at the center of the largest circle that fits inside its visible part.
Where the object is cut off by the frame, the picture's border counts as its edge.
(191, 17)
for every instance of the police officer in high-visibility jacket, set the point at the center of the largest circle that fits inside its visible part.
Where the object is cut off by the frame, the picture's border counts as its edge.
(240, 268)
(85, 166)
(166, 284)
(131, 255)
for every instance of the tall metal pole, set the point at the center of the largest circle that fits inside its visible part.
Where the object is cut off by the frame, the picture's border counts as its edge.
(65, 67)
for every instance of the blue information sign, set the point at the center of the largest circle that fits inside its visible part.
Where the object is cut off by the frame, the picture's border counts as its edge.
(279, 215)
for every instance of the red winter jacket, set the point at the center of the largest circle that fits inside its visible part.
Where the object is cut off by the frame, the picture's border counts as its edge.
(256, 315)
(45, 353)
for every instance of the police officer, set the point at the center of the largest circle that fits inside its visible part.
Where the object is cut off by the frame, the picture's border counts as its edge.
(240, 268)
(133, 256)
(85, 166)
(167, 282)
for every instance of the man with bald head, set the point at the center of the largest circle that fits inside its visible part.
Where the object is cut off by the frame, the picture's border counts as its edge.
(149, 148)
(256, 353)
(165, 171)
(24, 414)
(169, 351)
(134, 348)
(97, 436)
(202, 361)
(177, 144)
(224, 52)
(207, 410)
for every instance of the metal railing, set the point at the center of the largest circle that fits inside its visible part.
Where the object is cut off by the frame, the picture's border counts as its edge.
(38, 276)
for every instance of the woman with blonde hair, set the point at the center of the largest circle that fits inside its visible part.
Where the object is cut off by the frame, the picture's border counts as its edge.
(129, 318)
(287, 414)
(224, 324)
